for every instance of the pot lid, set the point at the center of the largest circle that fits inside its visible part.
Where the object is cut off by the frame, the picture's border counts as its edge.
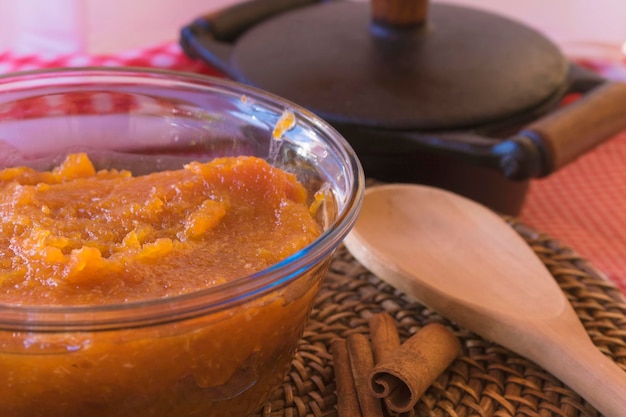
(460, 68)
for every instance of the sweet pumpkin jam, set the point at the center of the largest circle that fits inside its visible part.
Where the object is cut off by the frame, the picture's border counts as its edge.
(75, 236)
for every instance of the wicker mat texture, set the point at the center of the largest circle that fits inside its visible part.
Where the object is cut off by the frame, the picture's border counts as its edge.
(487, 380)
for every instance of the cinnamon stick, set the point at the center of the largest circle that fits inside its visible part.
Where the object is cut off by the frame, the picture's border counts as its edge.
(385, 337)
(409, 370)
(347, 401)
(362, 363)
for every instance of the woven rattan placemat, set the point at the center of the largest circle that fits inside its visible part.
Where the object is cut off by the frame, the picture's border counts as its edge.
(487, 380)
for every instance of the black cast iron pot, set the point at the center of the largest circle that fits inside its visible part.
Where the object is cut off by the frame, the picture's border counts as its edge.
(430, 93)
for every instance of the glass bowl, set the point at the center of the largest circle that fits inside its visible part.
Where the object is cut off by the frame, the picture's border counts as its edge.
(216, 351)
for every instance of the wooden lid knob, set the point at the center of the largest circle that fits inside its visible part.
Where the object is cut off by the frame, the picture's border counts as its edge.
(399, 13)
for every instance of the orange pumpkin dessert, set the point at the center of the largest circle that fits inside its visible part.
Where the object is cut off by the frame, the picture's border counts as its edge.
(75, 236)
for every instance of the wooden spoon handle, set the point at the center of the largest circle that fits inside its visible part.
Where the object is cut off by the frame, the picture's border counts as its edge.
(585, 369)
(577, 128)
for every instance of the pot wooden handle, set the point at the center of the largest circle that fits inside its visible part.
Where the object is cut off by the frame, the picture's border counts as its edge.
(577, 128)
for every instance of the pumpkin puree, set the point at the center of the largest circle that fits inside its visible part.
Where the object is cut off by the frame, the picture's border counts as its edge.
(74, 236)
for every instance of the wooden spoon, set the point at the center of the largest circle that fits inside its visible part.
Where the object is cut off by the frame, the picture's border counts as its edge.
(465, 262)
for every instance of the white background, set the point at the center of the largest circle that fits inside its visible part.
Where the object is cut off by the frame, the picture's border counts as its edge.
(109, 26)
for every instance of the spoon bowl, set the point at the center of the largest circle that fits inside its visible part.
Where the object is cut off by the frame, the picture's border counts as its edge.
(465, 262)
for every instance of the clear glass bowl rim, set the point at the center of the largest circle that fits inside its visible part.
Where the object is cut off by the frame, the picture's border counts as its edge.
(202, 302)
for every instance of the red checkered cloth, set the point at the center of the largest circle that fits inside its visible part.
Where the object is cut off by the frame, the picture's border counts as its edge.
(583, 205)
(163, 56)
